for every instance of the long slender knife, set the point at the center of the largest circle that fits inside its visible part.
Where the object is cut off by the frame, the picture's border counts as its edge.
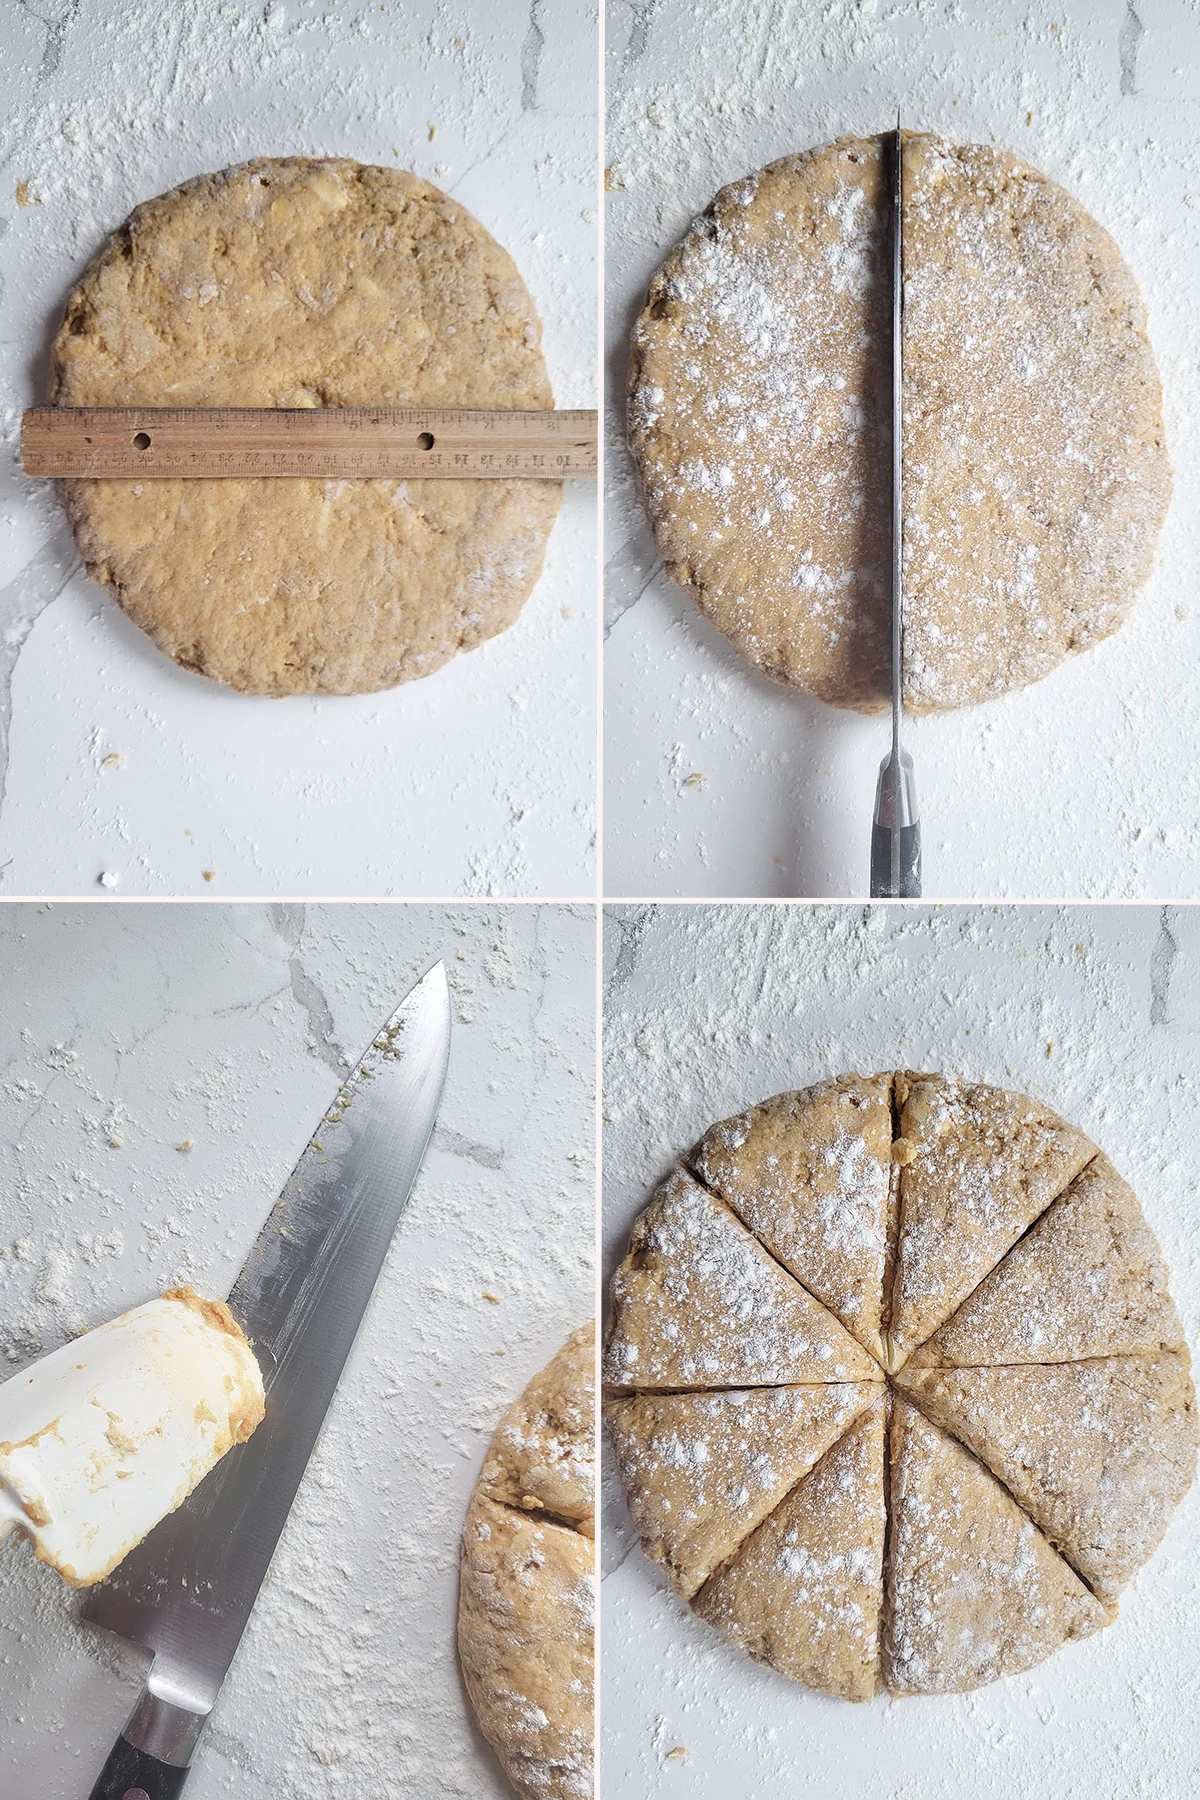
(186, 1593)
(896, 830)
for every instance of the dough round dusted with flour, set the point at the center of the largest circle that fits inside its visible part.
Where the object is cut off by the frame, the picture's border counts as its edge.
(304, 282)
(1036, 476)
(897, 1392)
(527, 1582)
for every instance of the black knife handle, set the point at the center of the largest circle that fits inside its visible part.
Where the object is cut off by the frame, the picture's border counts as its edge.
(132, 1774)
(909, 885)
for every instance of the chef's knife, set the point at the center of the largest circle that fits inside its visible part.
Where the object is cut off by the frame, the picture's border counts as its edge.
(186, 1593)
(896, 831)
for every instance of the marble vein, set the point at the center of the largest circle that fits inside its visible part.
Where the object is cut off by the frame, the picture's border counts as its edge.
(22, 601)
(1129, 42)
(289, 922)
(1162, 967)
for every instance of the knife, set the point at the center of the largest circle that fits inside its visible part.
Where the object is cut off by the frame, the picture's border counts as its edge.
(896, 830)
(185, 1594)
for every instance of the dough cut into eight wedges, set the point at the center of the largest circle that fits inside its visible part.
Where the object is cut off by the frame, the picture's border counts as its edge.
(896, 1389)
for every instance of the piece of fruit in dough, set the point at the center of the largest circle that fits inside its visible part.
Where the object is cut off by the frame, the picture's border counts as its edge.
(106, 1436)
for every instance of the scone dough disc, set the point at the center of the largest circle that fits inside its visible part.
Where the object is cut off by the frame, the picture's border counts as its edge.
(991, 1416)
(300, 282)
(1036, 475)
(527, 1581)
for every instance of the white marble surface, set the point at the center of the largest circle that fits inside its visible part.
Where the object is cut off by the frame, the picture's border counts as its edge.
(1096, 1010)
(129, 1030)
(477, 780)
(1087, 784)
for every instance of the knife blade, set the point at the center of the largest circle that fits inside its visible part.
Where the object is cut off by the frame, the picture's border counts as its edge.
(186, 1593)
(895, 829)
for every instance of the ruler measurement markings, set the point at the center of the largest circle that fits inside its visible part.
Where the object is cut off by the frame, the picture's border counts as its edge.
(408, 443)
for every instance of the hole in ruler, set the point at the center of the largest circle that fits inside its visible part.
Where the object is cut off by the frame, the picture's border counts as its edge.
(142, 441)
(425, 441)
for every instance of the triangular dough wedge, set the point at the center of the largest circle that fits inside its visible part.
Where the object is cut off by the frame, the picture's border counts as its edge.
(1088, 1279)
(698, 1303)
(978, 1165)
(809, 1174)
(700, 1471)
(974, 1591)
(1099, 1453)
(804, 1593)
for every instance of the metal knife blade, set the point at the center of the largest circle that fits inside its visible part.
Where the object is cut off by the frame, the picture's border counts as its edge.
(187, 1591)
(896, 831)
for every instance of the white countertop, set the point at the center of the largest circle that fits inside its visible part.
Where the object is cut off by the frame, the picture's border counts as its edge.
(1097, 1011)
(1087, 784)
(477, 780)
(127, 1031)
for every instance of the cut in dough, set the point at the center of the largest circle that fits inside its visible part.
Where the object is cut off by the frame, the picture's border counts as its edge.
(1099, 1453)
(804, 1593)
(527, 1582)
(700, 1471)
(1087, 1280)
(1036, 474)
(698, 1303)
(974, 1589)
(292, 283)
(1026, 1488)
(977, 1167)
(810, 1174)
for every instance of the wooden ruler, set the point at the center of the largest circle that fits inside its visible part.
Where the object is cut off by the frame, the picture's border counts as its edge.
(131, 443)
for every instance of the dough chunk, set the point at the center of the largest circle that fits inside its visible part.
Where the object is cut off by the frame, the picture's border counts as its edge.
(1036, 473)
(700, 1471)
(804, 1593)
(1098, 1453)
(809, 1173)
(525, 1638)
(978, 1165)
(526, 1632)
(304, 282)
(542, 1458)
(974, 1591)
(1087, 1280)
(698, 1303)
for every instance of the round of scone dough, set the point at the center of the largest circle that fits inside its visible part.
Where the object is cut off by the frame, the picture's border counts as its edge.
(304, 282)
(527, 1581)
(897, 1392)
(1036, 475)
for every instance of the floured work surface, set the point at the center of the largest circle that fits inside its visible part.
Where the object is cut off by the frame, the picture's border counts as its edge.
(303, 282)
(896, 1388)
(527, 1581)
(1036, 474)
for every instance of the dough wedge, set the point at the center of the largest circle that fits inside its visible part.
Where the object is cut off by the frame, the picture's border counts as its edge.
(809, 1173)
(804, 1593)
(1098, 1453)
(698, 1303)
(978, 1165)
(974, 1590)
(700, 1471)
(1088, 1279)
